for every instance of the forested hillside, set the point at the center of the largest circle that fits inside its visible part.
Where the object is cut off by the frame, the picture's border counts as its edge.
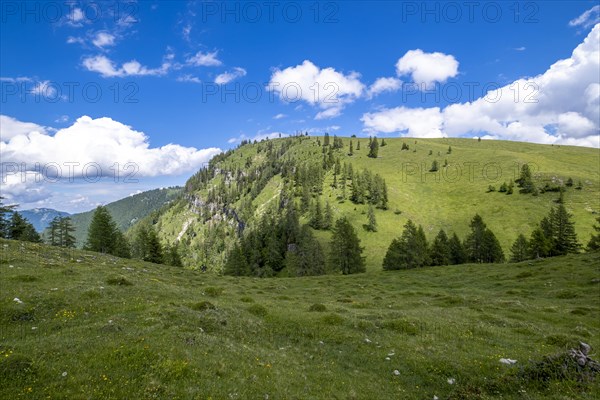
(239, 200)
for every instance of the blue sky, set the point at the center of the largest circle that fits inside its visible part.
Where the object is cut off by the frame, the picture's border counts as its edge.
(166, 84)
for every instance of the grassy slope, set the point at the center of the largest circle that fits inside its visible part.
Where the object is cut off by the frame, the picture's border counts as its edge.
(147, 341)
(127, 211)
(452, 201)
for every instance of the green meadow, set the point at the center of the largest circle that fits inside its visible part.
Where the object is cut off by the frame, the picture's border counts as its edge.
(80, 325)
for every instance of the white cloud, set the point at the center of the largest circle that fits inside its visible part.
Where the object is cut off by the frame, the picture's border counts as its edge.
(427, 68)
(326, 88)
(189, 78)
(384, 85)
(279, 116)
(11, 127)
(107, 68)
(533, 109)
(226, 77)
(201, 59)
(588, 18)
(522, 48)
(103, 39)
(102, 141)
(23, 187)
(74, 39)
(415, 122)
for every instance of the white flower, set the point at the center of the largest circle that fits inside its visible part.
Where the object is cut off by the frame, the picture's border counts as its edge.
(17, 300)
(451, 381)
(64, 374)
(507, 361)
(396, 372)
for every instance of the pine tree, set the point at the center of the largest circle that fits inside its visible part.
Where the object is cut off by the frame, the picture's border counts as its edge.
(449, 150)
(373, 148)
(440, 249)
(474, 241)
(594, 243)
(154, 251)
(326, 139)
(408, 251)
(525, 180)
(384, 197)
(520, 249)
(372, 222)
(539, 244)
(316, 220)
(434, 166)
(458, 254)
(4, 209)
(327, 217)
(492, 251)
(171, 255)
(20, 229)
(383, 143)
(104, 236)
(351, 149)
(236, 263)
(66, 229)
(358, 145)
(54, 232)
(307, 258)
(346, 253)
(563, 232)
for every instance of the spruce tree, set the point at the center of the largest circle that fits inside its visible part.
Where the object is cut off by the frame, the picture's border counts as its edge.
(474, 241)
(20, 229)
(563, 229)
(4, 209)
(307, 257)
(373, 148)
(520, 249)
(408, 251)
(316, 220)
(594, 243)
(491, 249)
(371, 221)
(539, 244)
(458, 254)
(102, 232)
(236, 263)
(434, 166)
(351, 149)
(525, 180)
(440, 249)
(54, 232)
(327, 217)
(66, 229)
(346, 253)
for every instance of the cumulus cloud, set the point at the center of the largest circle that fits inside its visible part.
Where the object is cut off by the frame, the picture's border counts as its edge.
(201, 59)
(384, 85)
(533, 109)
(107, 68)
(226, 77)
(325, 88)
(100, 141)
(417, 122)
(189, 78)
(427, 68)
(104, 39)
(23, 187)
(588, 18)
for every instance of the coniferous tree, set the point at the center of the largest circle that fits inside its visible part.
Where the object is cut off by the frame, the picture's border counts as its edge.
(346, 253)
(383, 143)
(101, 233)
(236, 263)
(539, 244)
(351, 149)
(408, 251)
(307, 258)
(492, 251)
(4, 209)
(594, 243)
(316, 220)
(520, 249)
(371, 221)
(440, 249)
(525, 180)
(474, 241)
(563, 232)
(327, 217)
(373, 148)
(434, 166)
(54, 232)
(458, 254)
(358, 145)
(20, 229)
(66, 229)
(171, 255)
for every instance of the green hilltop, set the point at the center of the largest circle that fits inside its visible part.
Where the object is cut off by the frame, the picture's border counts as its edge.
(79, 324)
(242, 184)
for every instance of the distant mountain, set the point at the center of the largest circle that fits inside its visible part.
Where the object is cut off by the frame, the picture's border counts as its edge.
(127, 211)
(40, 218)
